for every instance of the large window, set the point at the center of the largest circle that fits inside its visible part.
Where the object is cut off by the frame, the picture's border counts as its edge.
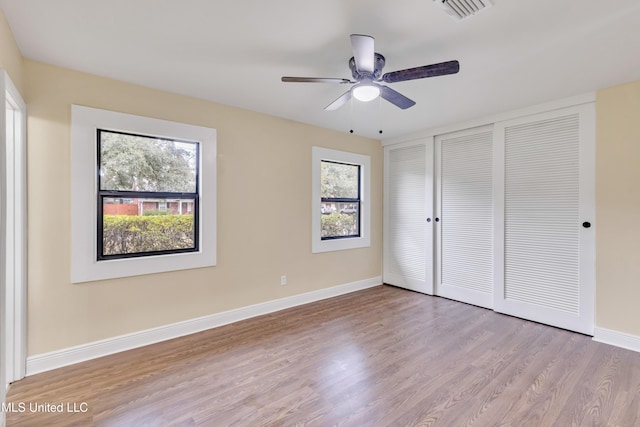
(145, 185)
(341, 206)
(143, 195)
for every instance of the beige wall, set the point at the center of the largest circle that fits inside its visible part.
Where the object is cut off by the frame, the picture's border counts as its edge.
(264, 215)
(10, 57)
(618, 209)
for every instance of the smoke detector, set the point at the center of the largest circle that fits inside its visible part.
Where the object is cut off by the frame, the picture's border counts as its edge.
(459, 10)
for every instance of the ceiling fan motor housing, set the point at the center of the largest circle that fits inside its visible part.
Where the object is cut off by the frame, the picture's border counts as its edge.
(379, 62)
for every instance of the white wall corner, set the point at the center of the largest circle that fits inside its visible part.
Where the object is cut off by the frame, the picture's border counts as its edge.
(618, 339)
(93, 350)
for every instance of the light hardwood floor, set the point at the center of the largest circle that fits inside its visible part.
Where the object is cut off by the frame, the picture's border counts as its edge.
(379, 357)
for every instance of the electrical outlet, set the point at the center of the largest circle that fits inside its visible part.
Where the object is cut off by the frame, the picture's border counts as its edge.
(283, 280)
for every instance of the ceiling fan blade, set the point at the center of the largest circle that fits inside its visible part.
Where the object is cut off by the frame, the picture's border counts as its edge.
(396, 98)
(314, 80)
(339, 102)
(433, 70)
(363, 53)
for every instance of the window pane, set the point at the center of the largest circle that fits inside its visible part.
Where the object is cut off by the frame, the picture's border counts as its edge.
(344, 221)
(132, 226)
(142, 163)
(339, 180)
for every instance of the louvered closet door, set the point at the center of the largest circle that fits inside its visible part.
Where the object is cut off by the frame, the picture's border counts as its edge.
(545, 271)
(464, 206)
(408, 225)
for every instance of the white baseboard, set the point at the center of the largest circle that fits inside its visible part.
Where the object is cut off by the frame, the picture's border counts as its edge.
(618, 339)
(69, 356)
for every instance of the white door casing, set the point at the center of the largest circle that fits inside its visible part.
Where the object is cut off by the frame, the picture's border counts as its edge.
(13, 234)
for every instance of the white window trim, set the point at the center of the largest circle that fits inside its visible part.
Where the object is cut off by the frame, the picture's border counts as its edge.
(84, 265)
(318, 245)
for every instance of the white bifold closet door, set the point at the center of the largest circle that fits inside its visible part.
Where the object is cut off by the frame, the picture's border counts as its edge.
(544, 221)
(464, 216)
(408, 225)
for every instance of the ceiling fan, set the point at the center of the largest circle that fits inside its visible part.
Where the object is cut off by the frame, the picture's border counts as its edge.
(366, 68)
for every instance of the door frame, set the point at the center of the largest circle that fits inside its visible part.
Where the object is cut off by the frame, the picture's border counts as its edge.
(13, 233)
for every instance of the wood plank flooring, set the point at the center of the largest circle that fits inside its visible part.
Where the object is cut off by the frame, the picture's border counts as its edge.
(379, 357)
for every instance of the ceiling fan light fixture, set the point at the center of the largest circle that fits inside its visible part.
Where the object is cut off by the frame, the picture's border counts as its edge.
(365, 92)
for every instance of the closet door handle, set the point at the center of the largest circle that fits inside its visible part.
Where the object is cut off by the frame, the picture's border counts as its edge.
(586, 224)
(428, 219)
(437, 219)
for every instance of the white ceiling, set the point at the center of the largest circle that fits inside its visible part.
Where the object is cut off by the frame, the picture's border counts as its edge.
(515, 54)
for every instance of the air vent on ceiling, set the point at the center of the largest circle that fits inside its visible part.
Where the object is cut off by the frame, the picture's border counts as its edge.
(463, 9)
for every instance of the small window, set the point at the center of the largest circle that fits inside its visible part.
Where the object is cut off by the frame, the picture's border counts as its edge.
(341, 207)
(340, 196)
